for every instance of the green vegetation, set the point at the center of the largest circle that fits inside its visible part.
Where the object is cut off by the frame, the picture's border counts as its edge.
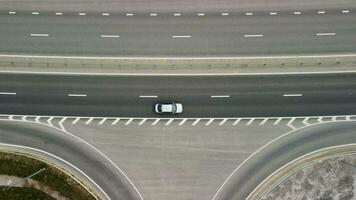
(22, 166)
(15, 193)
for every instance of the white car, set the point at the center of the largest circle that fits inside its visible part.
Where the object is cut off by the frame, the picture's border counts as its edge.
(172, 108)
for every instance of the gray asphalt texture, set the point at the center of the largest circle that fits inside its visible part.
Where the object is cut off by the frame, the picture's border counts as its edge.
(211, 35)
(118, 96)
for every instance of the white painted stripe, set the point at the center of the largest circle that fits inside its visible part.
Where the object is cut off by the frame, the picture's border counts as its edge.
(249, 14)
(89, 120)
(195, 122)
(320, 119)
(321, 12)
(142, 121)
(348, 118)
(105, 14)
(273, 13)
(181, 36)
(177, 14)
(35, 13)
(220, 96)
(290, 123)
(305, 121)
(201, 14)
(39, 35)
(263, 122)
(277, 121)
(222, 122)
(12, 12)
(49, 121)
(129, 14)
(345, 11)
(250, 121)
(11, 117)
(224, 14)
(37, 119)
(292, 95)
(209, 122)
(153, 14)
(77, 95)
(61, 124)
(236, 121)
(325, 34)
(128, 121)
(148, 96)
(115, 121)
(109, 36)
(82, 14)
(59, 13)
(256, 35)
(102, 121)
(297, 13)
(169, 121)
(334, 118)
(182, 122)
(7, 93)
(76, 120)
(24, 118)
(155, 122)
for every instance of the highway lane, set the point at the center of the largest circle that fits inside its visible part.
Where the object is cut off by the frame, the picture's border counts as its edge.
(71, 150)
(214, 34)
(202, 96)
(284, 150)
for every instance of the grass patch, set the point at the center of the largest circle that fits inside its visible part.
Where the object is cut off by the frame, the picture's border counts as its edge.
(16, 193)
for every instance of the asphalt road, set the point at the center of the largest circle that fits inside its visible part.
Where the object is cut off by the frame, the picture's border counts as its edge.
(283, 151)
(235, 96)
(268, 32)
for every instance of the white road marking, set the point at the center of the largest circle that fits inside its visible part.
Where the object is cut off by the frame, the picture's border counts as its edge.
(220, 96)
(61, 124)
(325, 34)
(39, 35)
(320, 119)
(155, 122)
(12, 12)
(89, 120)
(59, 13)
(109, 36)
(177, 14)
(77, 95)
(256, 35)
(222, 122)
(148, 96)
(277, 121)
(305, 121)
(7, 93)
(182, 122)
(195, 122)
(292, 95)
(201, 14)
(249, 14)
(105, 14)
(263, 121)
(76, 120)
(11, 117)
(128, 121)
(49, 121)
(169, 121)
(37, 119)
(334, 118)
(153, 14)
(35, 13)
(142, 121)
(348, 118)
(297, 13)
(181, 36)
(321, 12)
(345, 11)
(129, 14)
(224, 14)
(273, 13)
(290, 123)
(236, 121)
(24, 118)
(250, 121)
(209, 122)
(115, 121)
(102, 121)
(82, 14)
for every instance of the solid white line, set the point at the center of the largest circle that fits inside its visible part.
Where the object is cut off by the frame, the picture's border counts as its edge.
(82, 14)
(102, 121)
(249, 14)
(220, 96)
(257, 35)
(292, 95)
(209, 122)
(325, 34)
(142, 121)
(195, 122)
(109, 36)
(105, 14)
(250, 122)
(222, 122)
(345, 11)
(236, 121)
(128, 121)
(12, 12)
(177, 14)
(129, 14)
(169, 121)
(89, 120)
(153, 14)
(297, 13)
(39, 35)
(321, 12)
(59, 13)
(181, 36)
(224, 14)
(277, 121)
(76, 120)
(273, 13)
(148, 96)
(182, 122)
(201, 14)
(155, 122)
(35, 13)
(77, 95)
(7, 93)
(115, 121)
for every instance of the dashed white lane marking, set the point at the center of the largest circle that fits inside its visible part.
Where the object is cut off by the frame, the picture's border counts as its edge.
(220, 96)
(290, 123)
(253, 36)
(115, 121)
(77, 95)
(153, 14)
(169, 122)
(325, 34)
(35, 13)
(263, 121)
(12, 13)
(277, 121)
(105, 14)
(273, 13)
(177, 14)
(148, 96)
(321, 12)
(109, 36)
(182, 122)
(224, 14)
(249, 14)
(7, 93)
(195, 122)
(345, 11)
(39, 35)
(142, 121)
(128, 121)
(236, 122)
(129, 14)
(201, 14)
(250, 121)
(49, 121)
(59, 13)
(155, 122)
(82, 14)
(102, 121)
(75, 120)
(292, 95)
(209, 122)
(89, 120)
(297, 13)
(181, 36)
(222, 122)
(305, 121)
